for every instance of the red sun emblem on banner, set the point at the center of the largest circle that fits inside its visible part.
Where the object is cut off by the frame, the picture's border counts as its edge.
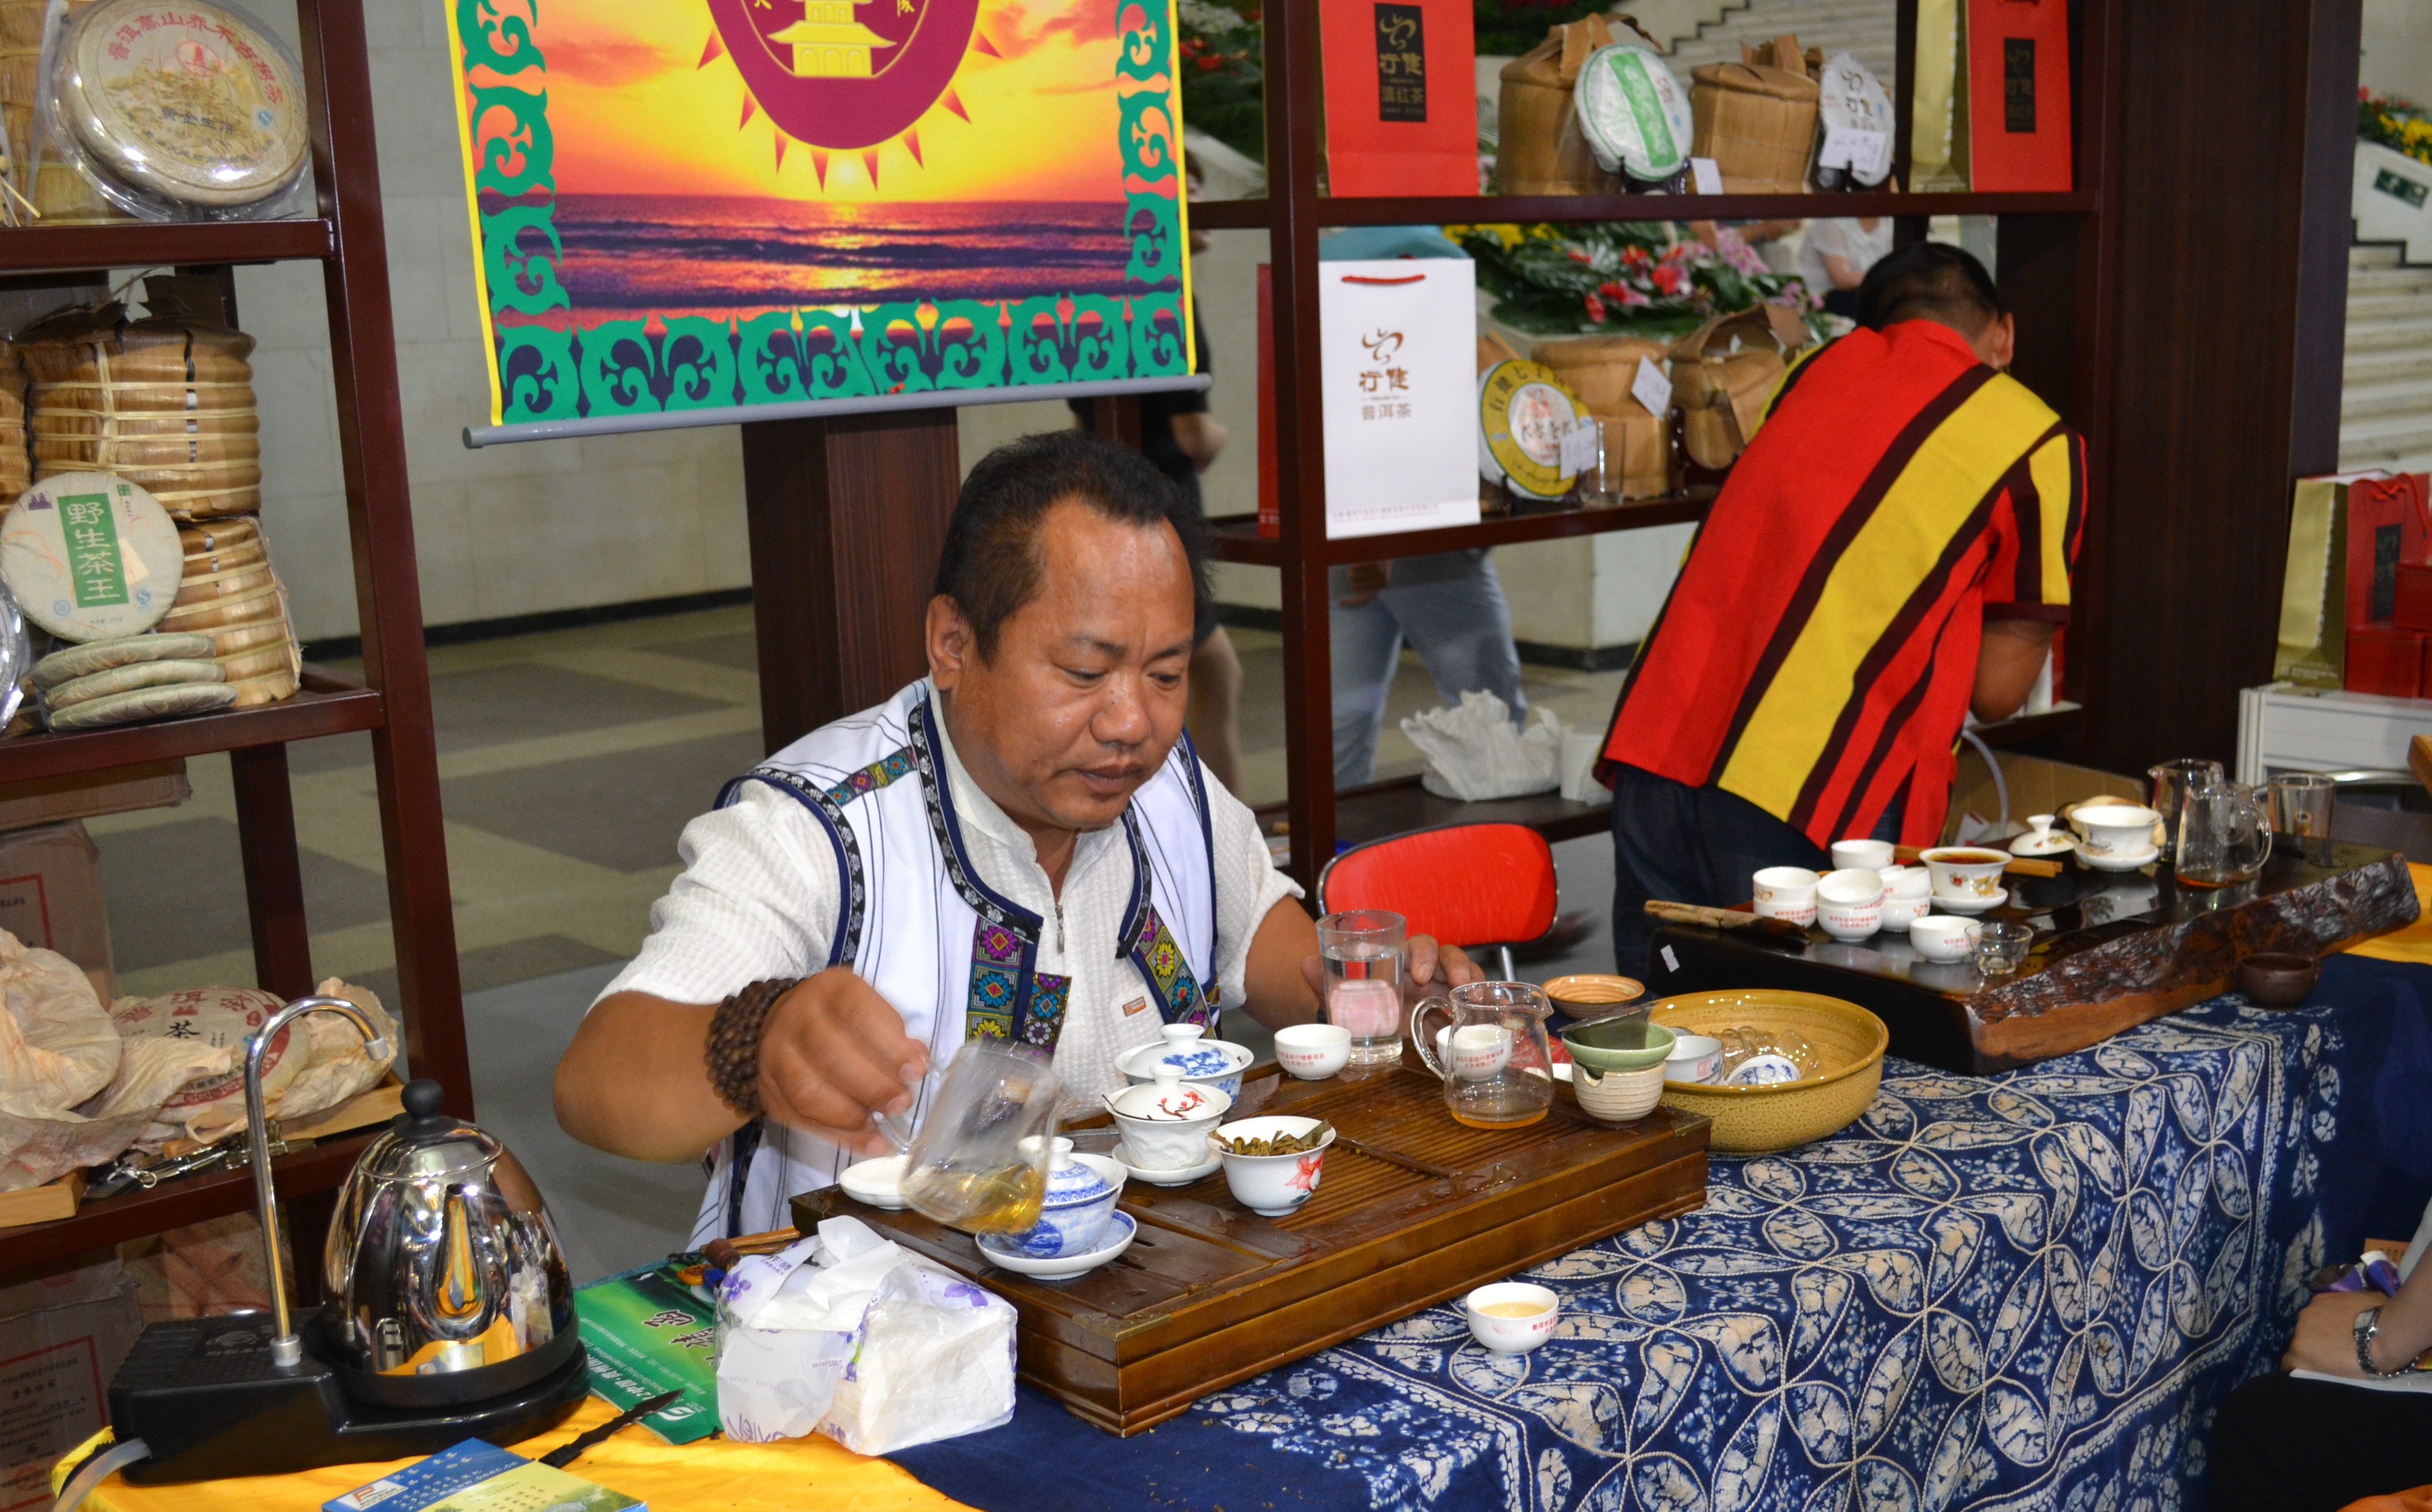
(840, 75)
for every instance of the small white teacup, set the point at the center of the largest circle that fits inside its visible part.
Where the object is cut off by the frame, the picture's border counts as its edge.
(1859, 885)
(1786, 893)
(1862, 855)
(1940, 937)
(1850, 921)
(1966, 871)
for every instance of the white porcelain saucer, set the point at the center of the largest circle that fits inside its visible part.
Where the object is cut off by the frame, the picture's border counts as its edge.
(1064, 1268)
(1182, 1177)
(2120, 863)
(878, 1183)
(1945, 903)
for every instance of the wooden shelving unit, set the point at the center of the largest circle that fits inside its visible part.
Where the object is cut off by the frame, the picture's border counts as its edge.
(391, 700)
(2054, 255)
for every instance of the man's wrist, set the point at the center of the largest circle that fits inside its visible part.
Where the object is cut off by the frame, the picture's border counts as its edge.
(2368, 1333)
(732, 1053)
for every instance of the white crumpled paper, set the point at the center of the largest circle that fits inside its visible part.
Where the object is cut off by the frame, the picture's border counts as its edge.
(1475, 751)
(850, 1334)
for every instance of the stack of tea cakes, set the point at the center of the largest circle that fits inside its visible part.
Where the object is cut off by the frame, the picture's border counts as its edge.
(166, 403)
(16, 467)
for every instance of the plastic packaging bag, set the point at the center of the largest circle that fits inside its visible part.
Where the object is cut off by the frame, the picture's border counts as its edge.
(56, 1049)
(849, 1335)
(1476, 751)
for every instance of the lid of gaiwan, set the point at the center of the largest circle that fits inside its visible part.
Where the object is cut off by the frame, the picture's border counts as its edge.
(1191, 1054)
(1169, 1098)
(1071, 1181)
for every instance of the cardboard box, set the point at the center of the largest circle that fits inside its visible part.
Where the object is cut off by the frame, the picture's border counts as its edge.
(89, 794)
(61, 1338)
(2385, 660)
(50, 896)
(2036, 784)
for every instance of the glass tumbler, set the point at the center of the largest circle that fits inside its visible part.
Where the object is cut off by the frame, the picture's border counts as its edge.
(2002, 949)
(1362, 948)
(2171, 781)
(2301, 813)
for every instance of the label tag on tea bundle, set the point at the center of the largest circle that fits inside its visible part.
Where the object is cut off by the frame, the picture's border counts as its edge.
(1651, 388)
(1855, 148)
(1706, 175)
(1580, 447)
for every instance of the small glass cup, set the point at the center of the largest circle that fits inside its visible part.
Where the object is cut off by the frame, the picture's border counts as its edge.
(2002, 949)
(2302, 804)
(1362, 951)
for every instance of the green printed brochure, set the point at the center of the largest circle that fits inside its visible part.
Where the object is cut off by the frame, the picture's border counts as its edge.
(648, 1333)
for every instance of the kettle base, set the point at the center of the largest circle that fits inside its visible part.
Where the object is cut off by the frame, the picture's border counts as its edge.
(204, 1393)
(447, 1388)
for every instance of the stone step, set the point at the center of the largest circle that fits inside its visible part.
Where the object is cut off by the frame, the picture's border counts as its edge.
(2374, 309)
(2390, 400)
(2383, 281)
(2379, 440)
(2375, 255)
(2388, 335)
(2398, 366)
(2418, 461)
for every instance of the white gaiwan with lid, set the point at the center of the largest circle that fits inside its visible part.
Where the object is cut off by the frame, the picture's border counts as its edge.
(1214, 1063)
(1165, 1121)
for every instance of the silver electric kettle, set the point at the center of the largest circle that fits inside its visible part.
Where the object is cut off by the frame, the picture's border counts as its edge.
(445, 1280)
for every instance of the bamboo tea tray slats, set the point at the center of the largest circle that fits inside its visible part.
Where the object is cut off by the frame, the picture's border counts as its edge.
(1412, 1209)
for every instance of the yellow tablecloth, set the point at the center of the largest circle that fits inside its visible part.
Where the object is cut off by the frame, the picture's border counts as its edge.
(712, 1475)
(2414, 941)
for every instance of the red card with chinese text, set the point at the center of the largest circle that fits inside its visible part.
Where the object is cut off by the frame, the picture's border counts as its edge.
(1401, 97)
(2018, 95)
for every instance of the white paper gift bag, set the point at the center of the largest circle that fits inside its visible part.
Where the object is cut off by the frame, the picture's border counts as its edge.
(1398, 339)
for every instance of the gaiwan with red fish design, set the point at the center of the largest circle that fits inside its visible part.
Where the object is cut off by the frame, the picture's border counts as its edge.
(1272, 1185)
(1165, 1123)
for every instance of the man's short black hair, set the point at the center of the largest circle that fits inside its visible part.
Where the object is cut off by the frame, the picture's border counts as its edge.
(991, 562)
(1929, 280)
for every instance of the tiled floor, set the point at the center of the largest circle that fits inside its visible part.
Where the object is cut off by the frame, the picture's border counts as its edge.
(569, 762)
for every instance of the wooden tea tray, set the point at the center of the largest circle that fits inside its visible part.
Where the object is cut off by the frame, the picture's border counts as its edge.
(2112, 950)
(1412, 1208)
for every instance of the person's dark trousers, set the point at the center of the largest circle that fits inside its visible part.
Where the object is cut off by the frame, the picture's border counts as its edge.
(1689, 845)
(2285, 1445)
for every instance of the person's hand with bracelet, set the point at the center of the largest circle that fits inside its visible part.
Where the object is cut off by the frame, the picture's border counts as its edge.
(2331, 1340)
(826, 1055)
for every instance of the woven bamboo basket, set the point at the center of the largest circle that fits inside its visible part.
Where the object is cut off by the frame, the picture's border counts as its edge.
(165, 403)
(15, 464)
(1849, 1041)
(64, 196)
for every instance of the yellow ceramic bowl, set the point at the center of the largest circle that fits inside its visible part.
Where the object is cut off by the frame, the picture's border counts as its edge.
(1752, 1119)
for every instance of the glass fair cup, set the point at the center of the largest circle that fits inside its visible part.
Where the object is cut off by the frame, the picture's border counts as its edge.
(1362, 951)
(2301, 813)
(1786, 893)
(1496, 1066)
(2224, 836)
(2172, 782)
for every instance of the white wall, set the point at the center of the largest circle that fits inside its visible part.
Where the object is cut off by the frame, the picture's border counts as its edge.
(2398, 48)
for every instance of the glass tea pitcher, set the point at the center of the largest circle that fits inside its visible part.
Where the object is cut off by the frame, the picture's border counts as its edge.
(1486, 1042)
(979, 1161)
(2224, 835)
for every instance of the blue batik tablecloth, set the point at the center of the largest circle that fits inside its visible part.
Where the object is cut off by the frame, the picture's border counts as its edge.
(2032, 1290)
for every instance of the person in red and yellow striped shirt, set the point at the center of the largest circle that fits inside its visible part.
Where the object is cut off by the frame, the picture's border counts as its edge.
(1892, 551)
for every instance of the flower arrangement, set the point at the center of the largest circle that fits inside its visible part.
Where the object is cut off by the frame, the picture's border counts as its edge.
(2397, 123)
(1635, 276)
(1223, 74)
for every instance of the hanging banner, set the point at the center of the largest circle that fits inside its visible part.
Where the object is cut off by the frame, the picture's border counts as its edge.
(698, 212)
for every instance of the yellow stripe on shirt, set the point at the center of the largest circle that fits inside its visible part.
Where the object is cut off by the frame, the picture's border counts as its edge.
(1893, 552)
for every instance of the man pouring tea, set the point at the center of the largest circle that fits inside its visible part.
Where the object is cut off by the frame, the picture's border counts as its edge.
(1021, 847)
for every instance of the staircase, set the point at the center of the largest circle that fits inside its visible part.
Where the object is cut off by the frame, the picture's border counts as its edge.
(1862, 27)
(2386, 405)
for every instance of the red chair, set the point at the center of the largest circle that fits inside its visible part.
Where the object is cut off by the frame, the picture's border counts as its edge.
(1466, 885)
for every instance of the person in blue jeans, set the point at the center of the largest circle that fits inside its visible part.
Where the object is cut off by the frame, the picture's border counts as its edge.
(1448, 607)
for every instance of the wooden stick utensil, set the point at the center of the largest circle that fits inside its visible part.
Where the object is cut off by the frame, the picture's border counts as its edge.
(1721, 918)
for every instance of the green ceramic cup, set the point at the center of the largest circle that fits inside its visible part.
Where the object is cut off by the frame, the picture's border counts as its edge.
(1609, 1044)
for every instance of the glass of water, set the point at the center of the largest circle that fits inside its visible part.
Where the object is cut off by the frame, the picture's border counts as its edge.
(1362, 951)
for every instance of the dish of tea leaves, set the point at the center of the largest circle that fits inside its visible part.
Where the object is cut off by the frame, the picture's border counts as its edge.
(1299, 1144)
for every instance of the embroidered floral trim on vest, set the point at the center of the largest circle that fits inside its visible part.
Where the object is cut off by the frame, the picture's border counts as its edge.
(845, 943)
(1155, 950)
(873, 777)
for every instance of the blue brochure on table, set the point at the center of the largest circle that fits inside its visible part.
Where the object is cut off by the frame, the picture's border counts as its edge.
(479, 1477)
